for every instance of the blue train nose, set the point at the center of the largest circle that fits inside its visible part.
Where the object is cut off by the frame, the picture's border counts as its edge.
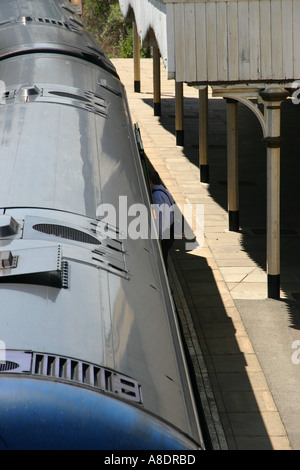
(46, 415)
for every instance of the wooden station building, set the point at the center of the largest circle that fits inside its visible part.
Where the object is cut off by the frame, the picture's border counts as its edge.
(247, 51)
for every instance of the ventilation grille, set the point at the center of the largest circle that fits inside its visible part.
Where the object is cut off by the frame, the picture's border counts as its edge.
(72, 370)
(68, 96)
(106, 251)
(8, 365)
(103, 249)
(86, 100)
(67, 25)
(66, 232)
(85, 373)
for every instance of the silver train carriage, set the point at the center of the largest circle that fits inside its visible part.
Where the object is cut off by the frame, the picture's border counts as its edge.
(91, 356)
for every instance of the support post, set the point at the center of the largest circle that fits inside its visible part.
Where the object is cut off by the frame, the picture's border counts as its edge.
(232, 165)
(272, 98)
(136, 59)
(156, 81)
(179, 113)
(203, 135)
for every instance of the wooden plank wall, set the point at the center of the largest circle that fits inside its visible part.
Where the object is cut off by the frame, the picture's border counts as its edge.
(229, 41)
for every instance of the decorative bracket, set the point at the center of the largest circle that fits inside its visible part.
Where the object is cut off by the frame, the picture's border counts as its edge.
(265, 94)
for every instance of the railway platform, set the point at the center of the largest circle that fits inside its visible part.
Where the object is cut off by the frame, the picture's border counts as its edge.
(244, 346)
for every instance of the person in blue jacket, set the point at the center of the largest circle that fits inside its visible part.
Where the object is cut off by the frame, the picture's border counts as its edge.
(163, 202)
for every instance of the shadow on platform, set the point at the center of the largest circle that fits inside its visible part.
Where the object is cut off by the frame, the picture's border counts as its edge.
(226, 364)
(252, 176)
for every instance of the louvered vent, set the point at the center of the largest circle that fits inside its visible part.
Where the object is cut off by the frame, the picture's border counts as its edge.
(69, 233)
(66, 369)
(69, 369)
(8, 365)
(77, 27)
(88, 100)
(104, 249)
(63, 95)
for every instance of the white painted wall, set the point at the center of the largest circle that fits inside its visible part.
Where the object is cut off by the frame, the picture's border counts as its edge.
(149, 14)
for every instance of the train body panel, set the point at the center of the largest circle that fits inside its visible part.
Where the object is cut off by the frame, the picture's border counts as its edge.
(83, 304)
(71, 133)
(33, 25)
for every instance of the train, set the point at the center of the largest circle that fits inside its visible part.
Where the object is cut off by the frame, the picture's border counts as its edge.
(91, 355)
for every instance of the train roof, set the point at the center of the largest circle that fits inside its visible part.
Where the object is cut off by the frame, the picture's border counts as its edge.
(41, 25)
